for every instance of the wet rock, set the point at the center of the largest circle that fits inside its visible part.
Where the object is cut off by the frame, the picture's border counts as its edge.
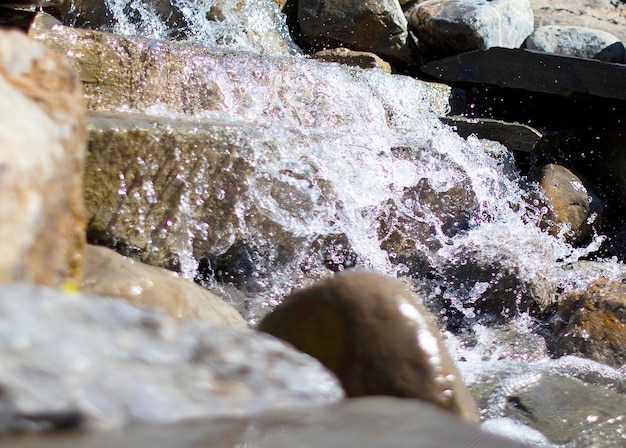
(355, 423)
(107, 273)
(562, 408)
(376, 26)
(219, 25)
(114, 364)
(577, 41)
(378, 340)
(235, 266)
(605, 15)
(515, 136)
(571, 208)
(450, 27)
(345, 56)
(592, 323)
(43, 139)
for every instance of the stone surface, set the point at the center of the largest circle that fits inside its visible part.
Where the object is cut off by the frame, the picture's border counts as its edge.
(564, 409)
(111, 364)
(106, 273)
(515, 136)
(533, 71)
(578, 42)
(345, 56)
(572, 209)
(592, 323)
(356, 423)
(605, 15)
(377, 26)
(378, 340)
(450, 27)
(43, 140)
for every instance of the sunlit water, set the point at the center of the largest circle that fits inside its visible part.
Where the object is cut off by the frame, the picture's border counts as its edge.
(336, 152)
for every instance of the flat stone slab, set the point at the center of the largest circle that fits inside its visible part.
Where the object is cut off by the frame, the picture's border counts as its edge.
(515, 136)
(533, 71)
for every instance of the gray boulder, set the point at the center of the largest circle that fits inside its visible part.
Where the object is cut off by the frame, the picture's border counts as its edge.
(109, 364)
(452, 27)
(577, 41)
(378, 26)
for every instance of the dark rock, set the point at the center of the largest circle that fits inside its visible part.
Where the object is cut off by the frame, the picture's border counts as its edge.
(592, 323)
(378, 340)
(235, 266)
(451, 27)
(572, 209)
(356, 423)
(533, 71)
(515, 136)
(577, 41)
(377, 26)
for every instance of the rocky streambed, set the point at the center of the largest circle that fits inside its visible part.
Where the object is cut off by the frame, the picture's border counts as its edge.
(221, 164)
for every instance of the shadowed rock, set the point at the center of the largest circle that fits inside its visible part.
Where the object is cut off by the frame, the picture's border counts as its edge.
(378, 340)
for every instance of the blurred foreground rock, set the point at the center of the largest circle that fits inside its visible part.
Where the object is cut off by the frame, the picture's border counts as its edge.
(108, 273)
(110, 364)
(43, 140)
(372, 333)
(356, 423)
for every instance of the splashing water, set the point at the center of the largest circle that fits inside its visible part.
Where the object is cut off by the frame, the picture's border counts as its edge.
(360, 158)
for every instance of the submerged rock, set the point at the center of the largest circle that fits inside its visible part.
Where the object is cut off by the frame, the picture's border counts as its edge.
(378, 340)
(112, 364)
(108, 273)
(592, 323)
(43, 141)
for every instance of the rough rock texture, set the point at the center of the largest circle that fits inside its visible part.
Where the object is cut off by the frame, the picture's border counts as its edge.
(345, 56)
(459, 26)
(43, 140)
(356, 423)
(564, 409)
(378, 340)
(605, 15)
(107, 273)
(378, 26)
(571, 208)
(110, 363)
(577, 41)
(593, 323)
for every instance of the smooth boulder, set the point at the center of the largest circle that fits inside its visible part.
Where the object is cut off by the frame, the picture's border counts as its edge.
(371, 332)
(450, 27)
(377, 26)
(577, 41)
(43, 138)
(110, 274)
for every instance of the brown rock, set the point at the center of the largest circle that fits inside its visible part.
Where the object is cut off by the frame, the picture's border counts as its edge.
(43, 139)
(370, 331)
(571, 207)
(345, 56)
(593, 323)
(110, 274)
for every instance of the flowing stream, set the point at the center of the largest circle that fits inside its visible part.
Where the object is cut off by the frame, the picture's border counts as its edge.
(347, 159)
